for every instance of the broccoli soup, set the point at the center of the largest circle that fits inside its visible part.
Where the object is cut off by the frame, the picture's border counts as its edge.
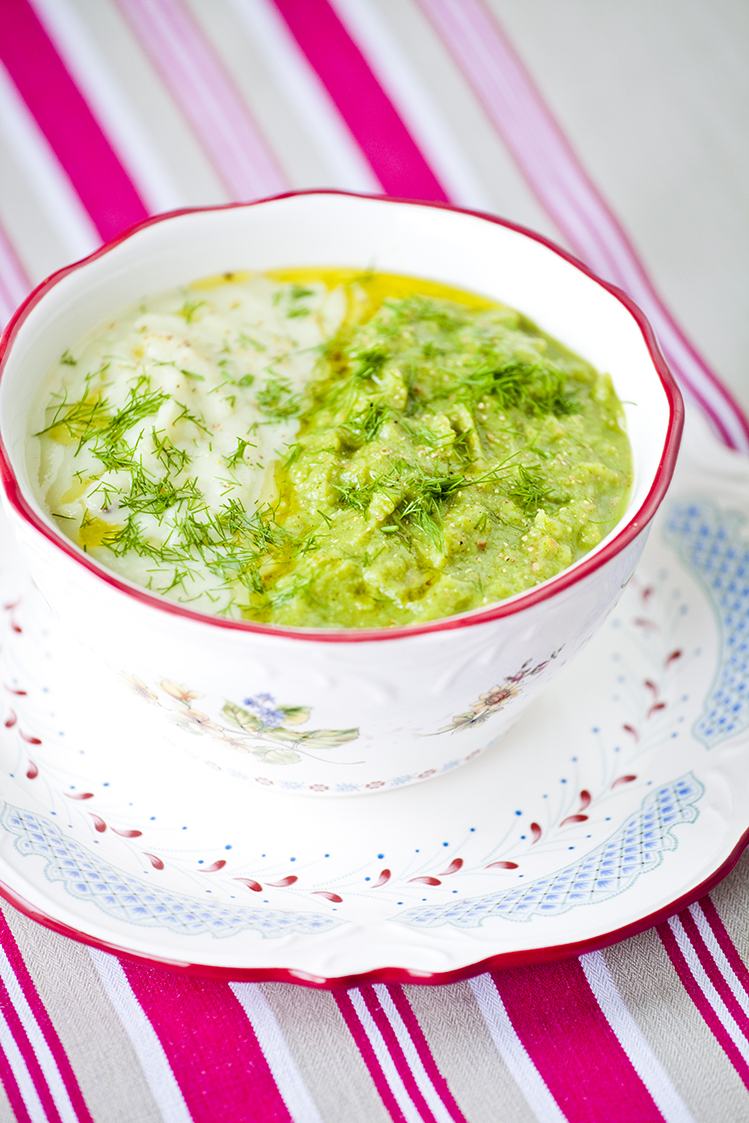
(323, 448)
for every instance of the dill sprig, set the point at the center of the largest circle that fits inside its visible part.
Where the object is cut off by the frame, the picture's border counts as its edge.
(189, 310)
(172, 458)
(277, 400)
(237, 457)
(534, 388)
(530, 491)
(141, 402)
(364, 426)
(81, 419)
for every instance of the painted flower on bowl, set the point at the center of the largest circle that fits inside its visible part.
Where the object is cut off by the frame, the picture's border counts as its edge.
(497, 697)
(260, 726)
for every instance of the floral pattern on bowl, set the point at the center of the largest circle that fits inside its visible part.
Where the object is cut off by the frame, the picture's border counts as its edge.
(261, 727)
(497, 697)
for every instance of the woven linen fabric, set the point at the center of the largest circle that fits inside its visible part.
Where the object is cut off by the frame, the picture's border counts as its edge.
(113, 110)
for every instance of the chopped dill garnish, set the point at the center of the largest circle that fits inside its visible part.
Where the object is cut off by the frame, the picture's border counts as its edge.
(141, 402)
(173, 459)
(531, 492)
(185, 415)
(189, 310)
(277, 400)
(237, 456)
(365, 425)
(428, 454)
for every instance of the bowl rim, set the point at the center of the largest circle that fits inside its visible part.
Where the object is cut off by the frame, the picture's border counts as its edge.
(538, 594)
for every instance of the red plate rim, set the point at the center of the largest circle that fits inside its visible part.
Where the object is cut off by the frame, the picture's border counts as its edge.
(564, 580)
(523, 958)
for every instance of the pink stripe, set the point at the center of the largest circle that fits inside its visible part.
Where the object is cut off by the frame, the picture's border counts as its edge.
(714, 972)
(725, 942)
(572, 1045)
(44, 1022)
(695, 992)
(12, 1091)
(27, 1052)
(355, 1028)
(381, 1020)
(66, 121)
(361, 101)
(207, 96)
(557, 177)
(211, 1047)
(421, 1045)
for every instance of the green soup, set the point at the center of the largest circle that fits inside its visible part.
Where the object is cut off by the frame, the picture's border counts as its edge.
(434, 452)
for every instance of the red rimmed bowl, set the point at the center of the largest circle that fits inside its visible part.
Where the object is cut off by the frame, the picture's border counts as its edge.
(379, 708)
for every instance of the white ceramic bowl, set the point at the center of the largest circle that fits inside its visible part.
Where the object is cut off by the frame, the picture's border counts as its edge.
(381, 707)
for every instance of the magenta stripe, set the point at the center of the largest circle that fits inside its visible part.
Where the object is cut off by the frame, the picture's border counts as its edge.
(724, 940)
(207, 97)
(381, 1020)
(362, 1042)
(44, 1022)
(714, 973)
(211, 1047)
(361, 101)
(572, 1045)
(403, 1006)
(27, 1052)
(65, 119)
(695, 992)
(12, 1091)
(557, 177)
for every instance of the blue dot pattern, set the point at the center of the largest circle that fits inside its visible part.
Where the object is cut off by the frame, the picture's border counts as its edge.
(129, 899)
(713, 544)
(611, 868)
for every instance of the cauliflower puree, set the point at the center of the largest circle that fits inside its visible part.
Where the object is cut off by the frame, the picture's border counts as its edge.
(324, 448)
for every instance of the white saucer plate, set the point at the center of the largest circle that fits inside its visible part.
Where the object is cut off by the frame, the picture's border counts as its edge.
(622, 794)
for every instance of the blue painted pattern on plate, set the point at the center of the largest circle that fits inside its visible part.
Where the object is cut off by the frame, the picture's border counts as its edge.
(128, 899)
(636, 848)
(714, 546)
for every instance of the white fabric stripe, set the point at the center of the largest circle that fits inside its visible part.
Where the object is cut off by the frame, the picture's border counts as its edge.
(703, 981)
(387, 1064)
(572, 202)
(18, 1067)
(513, 1052)
(44, 1055)
(306, 95)
(153, 1061)
(645, 1063)
(46, 178)
(390, 64)
(109, 105)
(719, 956)
(213, 107)
(15, 283)
(424, 1082)
(521, 118)
(287, 1076)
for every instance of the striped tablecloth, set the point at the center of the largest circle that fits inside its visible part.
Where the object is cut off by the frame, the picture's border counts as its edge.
(112, 110)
